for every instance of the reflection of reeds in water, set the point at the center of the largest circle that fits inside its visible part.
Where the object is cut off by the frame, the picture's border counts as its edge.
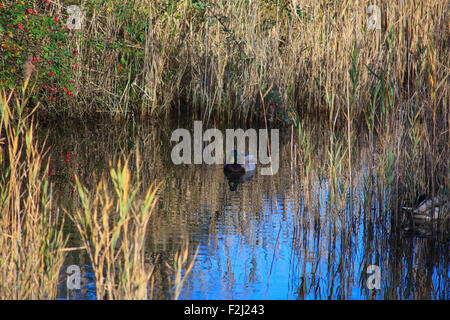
(330, 216)
(334, 233)
(393, 169)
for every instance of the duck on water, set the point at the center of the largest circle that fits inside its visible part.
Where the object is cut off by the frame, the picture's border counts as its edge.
(427, 208)
(239, 168)
(240, 163)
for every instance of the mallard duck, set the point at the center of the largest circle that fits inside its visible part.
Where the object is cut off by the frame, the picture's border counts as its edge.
(235, 164)
(427, 208)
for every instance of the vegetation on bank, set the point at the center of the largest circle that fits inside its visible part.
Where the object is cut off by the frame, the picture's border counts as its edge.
(284, 62)
(229, 59)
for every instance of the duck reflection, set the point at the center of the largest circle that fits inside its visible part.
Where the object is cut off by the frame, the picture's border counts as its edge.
(234, 179)
(239, 168)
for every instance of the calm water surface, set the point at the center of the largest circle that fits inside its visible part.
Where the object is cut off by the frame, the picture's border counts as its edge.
(274, 237)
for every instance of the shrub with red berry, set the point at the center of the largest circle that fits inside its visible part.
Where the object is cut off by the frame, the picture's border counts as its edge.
(33, 42)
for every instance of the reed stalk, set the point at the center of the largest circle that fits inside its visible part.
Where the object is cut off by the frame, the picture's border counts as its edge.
(32, 241)
(113, 226)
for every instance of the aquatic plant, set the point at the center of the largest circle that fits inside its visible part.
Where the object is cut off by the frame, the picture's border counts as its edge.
(214, 58)
(113, 229)
(32, 240)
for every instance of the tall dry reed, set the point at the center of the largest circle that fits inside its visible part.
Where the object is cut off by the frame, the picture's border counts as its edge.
(31, 234)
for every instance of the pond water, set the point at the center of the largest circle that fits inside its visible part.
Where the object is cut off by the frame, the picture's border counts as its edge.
(273, 237)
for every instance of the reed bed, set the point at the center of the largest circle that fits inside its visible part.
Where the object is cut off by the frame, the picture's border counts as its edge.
(214, 58)
(31, 235)
(112, 223)
(115, 244)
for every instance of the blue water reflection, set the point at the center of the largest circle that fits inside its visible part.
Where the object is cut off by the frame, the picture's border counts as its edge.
(274, 237)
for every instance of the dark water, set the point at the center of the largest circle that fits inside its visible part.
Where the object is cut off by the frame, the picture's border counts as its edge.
(276, 237)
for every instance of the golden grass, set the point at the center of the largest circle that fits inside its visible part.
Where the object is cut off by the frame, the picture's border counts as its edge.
(113, 229)
(111, 221)
(31, 235)
(214, 58)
